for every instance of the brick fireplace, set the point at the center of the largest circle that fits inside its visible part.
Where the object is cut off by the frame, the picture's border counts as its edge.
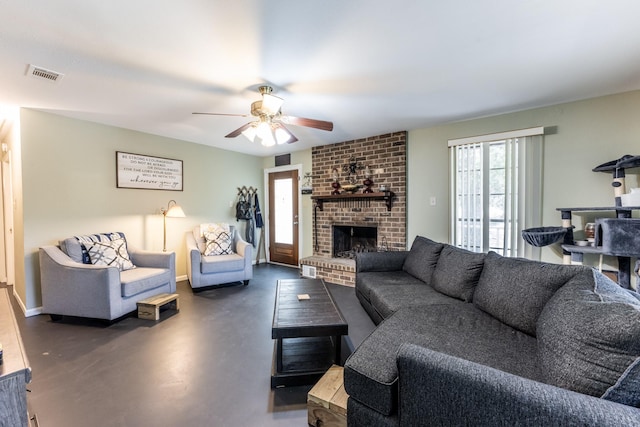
(352, 222)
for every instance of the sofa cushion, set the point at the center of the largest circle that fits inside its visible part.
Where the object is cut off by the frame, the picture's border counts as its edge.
(371, 375)
(142, 279)
(589, 339)
(365, 282)
(221, 263)
(388, 299)
(457, 272)
(422, 258)
(199, 238)
(218, 239)
(515, 290)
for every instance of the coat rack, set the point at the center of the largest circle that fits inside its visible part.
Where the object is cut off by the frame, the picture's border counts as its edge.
(247, 191)
(249, 194)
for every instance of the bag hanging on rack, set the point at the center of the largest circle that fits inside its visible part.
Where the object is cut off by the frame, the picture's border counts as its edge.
(243, 208)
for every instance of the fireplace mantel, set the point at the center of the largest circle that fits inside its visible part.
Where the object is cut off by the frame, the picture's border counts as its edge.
(386, 196)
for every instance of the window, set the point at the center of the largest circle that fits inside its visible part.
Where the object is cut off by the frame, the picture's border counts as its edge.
(496, 191)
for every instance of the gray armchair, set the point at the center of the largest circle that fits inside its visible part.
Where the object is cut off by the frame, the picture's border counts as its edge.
(73, 288)
(205, 271)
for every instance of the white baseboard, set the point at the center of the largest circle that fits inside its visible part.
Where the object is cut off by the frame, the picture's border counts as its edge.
(33, 312)
(27, 313)
(181, 278)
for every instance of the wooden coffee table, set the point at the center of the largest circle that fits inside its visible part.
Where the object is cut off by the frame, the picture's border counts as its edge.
(308, 332)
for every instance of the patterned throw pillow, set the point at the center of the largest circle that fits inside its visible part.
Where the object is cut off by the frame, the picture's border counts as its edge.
(218, 239)
(108, 250)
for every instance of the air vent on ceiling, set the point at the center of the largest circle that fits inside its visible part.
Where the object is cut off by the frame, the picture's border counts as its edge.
(43, 73)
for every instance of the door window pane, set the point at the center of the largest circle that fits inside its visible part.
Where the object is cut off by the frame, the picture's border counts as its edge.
(283, 197)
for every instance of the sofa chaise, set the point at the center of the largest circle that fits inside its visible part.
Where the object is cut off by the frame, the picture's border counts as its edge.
(479, 339)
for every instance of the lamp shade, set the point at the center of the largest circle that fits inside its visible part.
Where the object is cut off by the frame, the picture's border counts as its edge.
(175, 211)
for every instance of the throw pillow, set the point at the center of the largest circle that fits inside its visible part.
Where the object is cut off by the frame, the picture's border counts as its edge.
(71, 246)
(589, 339)
(457, 272)
(111, 252)
(422, 258)
(515, 290)
(218, 240)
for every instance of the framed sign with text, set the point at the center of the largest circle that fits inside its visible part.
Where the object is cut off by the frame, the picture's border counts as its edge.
(148, 172)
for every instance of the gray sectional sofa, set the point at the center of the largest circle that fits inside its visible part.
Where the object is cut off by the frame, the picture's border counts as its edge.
(484, 340)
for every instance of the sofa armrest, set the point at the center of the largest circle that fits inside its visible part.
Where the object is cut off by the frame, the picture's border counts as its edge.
(245, 250)
(380, 261)
(447, 390)
(194, 257)
(77, 289)
(242, 245)
(156, 260)
(153, 259)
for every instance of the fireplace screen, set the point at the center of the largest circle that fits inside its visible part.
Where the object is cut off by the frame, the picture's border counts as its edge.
(349, 240)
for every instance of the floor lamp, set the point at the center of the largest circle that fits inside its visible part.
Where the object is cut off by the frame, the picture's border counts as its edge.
(172, 211)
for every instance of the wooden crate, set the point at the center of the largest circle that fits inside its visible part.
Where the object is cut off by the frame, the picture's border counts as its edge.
(149, 308)
(327, 400)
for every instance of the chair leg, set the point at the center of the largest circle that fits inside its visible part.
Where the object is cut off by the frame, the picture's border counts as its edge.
(246, 282)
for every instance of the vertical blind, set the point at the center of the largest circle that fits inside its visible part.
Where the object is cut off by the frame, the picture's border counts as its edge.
(496, 191)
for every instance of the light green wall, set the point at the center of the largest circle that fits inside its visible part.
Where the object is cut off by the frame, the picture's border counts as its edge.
(302, 158)
(68, 178)
(69, 188)
(584, 134)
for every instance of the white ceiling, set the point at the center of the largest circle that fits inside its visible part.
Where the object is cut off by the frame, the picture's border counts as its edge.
(370, 66)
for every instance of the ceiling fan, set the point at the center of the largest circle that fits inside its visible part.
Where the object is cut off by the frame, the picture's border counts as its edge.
(269, 127)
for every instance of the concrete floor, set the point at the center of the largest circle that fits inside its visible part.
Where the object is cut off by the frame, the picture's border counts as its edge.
(207, 365)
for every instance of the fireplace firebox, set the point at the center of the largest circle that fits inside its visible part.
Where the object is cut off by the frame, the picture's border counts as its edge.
(351, 239)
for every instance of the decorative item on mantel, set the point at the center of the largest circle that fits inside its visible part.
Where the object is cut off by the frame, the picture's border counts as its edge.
(307, 187)
(335, 184)
(351, 169)
(368, 182)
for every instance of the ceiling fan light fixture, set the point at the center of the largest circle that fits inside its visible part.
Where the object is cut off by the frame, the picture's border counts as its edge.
(282, 136)
(250, 133)
(265, 134)
(271, 104)
(268, 126)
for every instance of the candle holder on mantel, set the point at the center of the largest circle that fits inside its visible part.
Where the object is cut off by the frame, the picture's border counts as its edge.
(368, 182)
(335, 184)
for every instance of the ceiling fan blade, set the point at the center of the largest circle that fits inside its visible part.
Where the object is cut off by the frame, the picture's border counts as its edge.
(292, 137)
(239, 130)
(222, 114)
(310, 123)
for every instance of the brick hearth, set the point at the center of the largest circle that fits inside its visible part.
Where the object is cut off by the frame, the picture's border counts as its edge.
(386, 157)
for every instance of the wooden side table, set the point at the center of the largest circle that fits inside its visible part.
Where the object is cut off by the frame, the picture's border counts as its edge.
(149, 308)
(327, 400)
